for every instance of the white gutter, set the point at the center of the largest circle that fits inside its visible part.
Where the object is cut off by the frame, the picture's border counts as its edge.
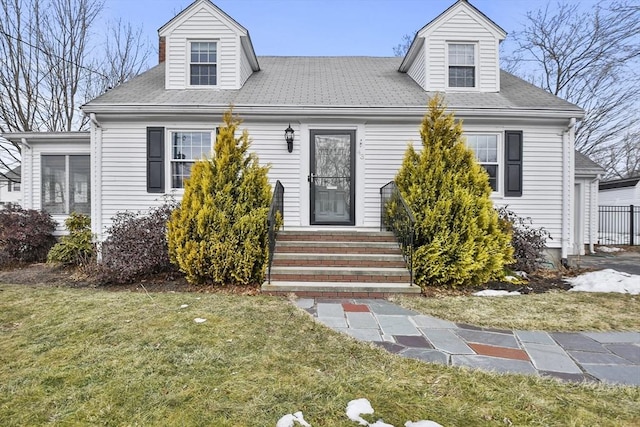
(92, 116)
(24, 142)
(568, 137)
(96, 180)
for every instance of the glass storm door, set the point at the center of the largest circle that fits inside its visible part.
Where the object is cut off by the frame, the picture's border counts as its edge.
(331, 177)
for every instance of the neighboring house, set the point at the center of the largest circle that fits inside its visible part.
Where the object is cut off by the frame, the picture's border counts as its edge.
(352, 118)
(620, 192)
(10, 188)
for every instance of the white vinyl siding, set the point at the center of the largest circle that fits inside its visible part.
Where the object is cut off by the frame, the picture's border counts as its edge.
(417, 71)
(203, 25)
(245, 66)
(462, 28)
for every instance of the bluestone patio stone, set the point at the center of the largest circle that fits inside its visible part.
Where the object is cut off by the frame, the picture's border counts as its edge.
(551, 358)
(491, 338)
(630, 352)
(617, 374)
(577, 341)
(426, 355)
(387, 308)
(397, 325)
(597, 358)
(614, 337)
(362, 321)
(537, 337)
(432, 322)
(364, 334)
(447, 341)
(305, 303)
(493, 364)
(330, 310)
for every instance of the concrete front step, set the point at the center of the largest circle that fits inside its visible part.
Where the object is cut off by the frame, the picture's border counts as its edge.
(340, 274)
(336, 236)
(342, 247)
(338, 260)
(340, 289)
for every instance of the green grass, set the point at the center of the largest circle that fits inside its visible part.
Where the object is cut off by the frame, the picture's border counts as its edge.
(551, 311)
(87, 357)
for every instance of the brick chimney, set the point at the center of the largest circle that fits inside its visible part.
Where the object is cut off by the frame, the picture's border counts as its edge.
(162, 49)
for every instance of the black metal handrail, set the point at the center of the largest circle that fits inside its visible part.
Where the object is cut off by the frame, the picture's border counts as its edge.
(396, 216)
(275, 220)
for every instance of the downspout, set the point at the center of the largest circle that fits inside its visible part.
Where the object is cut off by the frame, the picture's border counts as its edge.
(27, 187)
(96, 181)
(568, 137)
(594, 212)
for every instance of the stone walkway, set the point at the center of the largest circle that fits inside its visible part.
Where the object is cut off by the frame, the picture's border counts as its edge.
(612, 357)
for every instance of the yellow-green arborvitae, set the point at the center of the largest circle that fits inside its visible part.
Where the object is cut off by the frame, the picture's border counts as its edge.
(218, 235)
(458, 237)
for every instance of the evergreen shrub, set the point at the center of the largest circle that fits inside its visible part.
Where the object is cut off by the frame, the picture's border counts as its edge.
(458, 237)
(26, 235)
(76, 248)
(219, 233)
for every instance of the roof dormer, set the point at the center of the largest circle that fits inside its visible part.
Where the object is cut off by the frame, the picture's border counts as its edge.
(457, 51)
(203, 47)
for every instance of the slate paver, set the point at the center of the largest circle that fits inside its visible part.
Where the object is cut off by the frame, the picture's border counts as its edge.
(364, 334)
(387, 308)
(390, 346)
(597, 358)
(413, 341)
(537, 337)
(422, 321)
(356, 308)
(493, 364)
(577, 341)
(502, 352)
(433, 356)
(305, 303)
(447, 341)
(630, 352)
(330, 310)
(362, 321)
(491, 338)
(397, 325)
(551, 358)
(335, 322)
(614, 337)
(617, 374)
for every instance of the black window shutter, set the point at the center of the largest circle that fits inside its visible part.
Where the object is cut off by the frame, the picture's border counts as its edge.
(155, 160)
(513, 163)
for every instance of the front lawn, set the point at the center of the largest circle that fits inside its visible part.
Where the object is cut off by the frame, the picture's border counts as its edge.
(88, 357)
(551, 311)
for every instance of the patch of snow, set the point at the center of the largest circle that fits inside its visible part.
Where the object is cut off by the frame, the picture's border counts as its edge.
(357, 407)
(184, 306)
(608, 280)
(380, 423)
(609, 249)
(289, 419)
(494, 293)
(199, 320)
(422, 423)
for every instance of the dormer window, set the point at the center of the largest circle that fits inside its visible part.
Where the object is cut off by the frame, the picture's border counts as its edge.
(203, 65)
(462, 65)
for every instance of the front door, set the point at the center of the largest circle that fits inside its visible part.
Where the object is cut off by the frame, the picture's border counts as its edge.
(331, 177)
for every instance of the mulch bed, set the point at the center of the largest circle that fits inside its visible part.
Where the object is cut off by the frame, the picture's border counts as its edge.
(49, 275)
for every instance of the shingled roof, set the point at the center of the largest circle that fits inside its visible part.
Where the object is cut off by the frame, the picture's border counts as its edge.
(327, 82)
(584, 165)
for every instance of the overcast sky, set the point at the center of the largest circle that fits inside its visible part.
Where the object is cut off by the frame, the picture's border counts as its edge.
(326, 27)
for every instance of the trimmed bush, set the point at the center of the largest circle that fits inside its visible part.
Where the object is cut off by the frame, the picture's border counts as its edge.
(218, 235)
(26, 235)
(528, 242)
(458, 238)
(77, 247)
(137, 245)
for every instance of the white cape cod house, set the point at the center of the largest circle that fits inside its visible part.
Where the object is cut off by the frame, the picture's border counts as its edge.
(352, 119)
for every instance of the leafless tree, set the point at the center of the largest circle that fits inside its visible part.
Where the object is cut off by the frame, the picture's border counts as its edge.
(592, 59)
(403, 47)
(51, 62)
(623, 159)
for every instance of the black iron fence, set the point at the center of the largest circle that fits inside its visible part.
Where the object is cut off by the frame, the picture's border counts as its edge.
(396, 216)
(619, 225)
(275, 220)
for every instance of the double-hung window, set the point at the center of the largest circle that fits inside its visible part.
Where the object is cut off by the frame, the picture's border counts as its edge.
(485, 147)
(203, 63)
(462, 65)
(186, 149)
(66, 185)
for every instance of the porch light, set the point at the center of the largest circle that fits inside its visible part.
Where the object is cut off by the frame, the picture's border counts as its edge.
(288, 136)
